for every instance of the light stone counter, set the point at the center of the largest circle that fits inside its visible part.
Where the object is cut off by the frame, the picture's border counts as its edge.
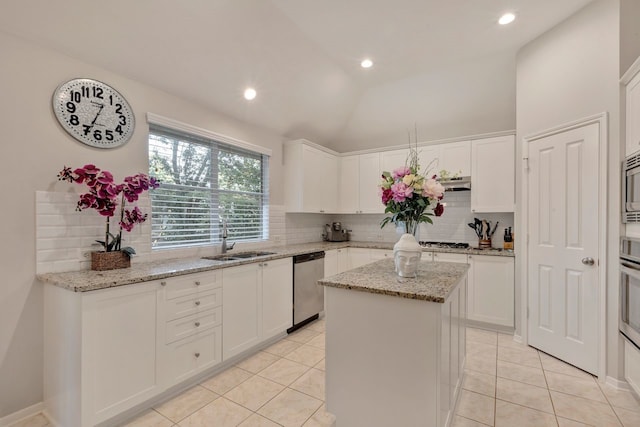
(434, 283)
(87, 280)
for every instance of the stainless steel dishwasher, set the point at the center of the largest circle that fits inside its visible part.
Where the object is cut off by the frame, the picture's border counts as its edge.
(308, 295)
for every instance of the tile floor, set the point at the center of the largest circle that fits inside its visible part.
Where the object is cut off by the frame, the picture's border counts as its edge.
(506, 385)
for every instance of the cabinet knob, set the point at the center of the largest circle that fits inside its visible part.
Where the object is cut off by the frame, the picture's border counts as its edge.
(197, 302)
(197, 283)
(265, 264)
(197, 324)
(197, 354)
(163, 283)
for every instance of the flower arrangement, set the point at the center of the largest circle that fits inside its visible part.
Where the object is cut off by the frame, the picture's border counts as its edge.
(103, 196)
(409, 196)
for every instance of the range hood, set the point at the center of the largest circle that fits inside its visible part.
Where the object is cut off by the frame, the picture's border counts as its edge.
(462, 183)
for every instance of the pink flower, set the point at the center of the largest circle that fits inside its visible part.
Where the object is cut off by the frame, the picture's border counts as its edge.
(386, 195)
(433, 189)
(401, 192)
(400, 172)
(131, 218)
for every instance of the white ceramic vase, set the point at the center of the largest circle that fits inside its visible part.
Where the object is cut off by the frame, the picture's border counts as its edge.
(406, 254)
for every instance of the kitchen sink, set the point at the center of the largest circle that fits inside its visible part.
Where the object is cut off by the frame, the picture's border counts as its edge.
(238, 256)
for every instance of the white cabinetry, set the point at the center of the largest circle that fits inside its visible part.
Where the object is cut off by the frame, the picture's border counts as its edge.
(449, 257)
(491, 290)
(454, 157)
(632, 365)
(359, 257)
(390, 160)
(311, 176)
(256, 300)
(359, 179)
(632, 136)
(493, 174)
(378, 254)
(100, 352)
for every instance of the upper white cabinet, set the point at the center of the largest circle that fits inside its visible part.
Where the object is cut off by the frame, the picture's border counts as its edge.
(311, 176)
(493, 174)
(359, 178)
(632, 136)
(454, 157)
(390, 160)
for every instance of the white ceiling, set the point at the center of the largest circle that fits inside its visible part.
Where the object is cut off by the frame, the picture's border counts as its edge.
(444, 66)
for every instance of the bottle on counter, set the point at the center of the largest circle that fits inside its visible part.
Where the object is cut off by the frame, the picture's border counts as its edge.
(508, 239)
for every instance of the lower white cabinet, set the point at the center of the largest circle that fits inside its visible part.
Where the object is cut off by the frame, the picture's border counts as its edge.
(449, 257)
(632, 365)
(257, 303)
(491, 290)
(187, 357)
(359, 257)
(336, 261)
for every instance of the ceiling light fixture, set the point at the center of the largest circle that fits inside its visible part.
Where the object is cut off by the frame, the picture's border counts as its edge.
(249, 93)
(507, 18)
(366, 63)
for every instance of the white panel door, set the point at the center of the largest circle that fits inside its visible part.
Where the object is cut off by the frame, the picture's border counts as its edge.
(563, 288)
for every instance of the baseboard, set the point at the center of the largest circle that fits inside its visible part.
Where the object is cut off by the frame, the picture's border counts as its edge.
(618, 384)
(518, 338)
(22, 414)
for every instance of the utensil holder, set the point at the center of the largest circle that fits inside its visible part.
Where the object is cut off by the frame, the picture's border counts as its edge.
(484, 243)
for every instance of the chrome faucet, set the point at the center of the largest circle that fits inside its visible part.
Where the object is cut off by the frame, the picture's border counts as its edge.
(224, 248)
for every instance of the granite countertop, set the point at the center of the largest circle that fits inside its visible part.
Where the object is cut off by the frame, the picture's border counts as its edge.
(434, 283)
(89, 280)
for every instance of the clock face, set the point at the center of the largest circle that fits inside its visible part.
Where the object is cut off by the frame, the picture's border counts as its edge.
(93, 113)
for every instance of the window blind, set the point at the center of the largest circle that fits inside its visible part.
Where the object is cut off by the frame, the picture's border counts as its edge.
(204, 181)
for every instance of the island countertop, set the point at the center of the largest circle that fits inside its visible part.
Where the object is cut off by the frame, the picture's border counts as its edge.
(434, 283)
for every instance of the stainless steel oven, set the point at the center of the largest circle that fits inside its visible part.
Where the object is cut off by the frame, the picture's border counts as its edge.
(629, 323)
(631, 182)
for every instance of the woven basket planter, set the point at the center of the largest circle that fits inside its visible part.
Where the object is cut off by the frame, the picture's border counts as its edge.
(110, 260)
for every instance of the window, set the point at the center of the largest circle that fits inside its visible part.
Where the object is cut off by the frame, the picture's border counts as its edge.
(203, 181)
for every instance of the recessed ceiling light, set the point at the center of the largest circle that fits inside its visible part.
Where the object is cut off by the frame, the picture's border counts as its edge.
(249, 93)
(366, 63)
(507, 18)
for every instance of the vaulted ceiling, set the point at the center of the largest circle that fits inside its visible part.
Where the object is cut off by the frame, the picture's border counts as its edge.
(443, 66)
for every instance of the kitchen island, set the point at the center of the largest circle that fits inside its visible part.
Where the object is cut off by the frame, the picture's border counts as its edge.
(395, 347)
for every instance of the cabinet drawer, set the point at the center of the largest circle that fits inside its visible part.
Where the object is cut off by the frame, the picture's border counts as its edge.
(191, 304)
(190, 284)
(187, 326)
(185, 358)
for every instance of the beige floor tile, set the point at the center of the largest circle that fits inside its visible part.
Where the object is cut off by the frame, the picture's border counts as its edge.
(317, 325)
(307, 355)
(254, 392)
(521, 356)
(628, 418)
(282, 347)
(582, 387)
(481, 335)
(480, 348)
(321, 418)
(620, 398)
(303, 336)
(524, 374)
(219, 413)
(284, 371)
(290, 408)
(226, 380)
(256, 420)
(38, 420)
(459, 421)
(584, 410)
(318, 341)
(563, 422)
(186, 403)
(552, 364)
(506, 340)
(477, 407)
(479, 383)
(481, 363)
(257, 362)
(150, 418)
(311, 383)
(321, 365)
(524, 395)
(510, 415)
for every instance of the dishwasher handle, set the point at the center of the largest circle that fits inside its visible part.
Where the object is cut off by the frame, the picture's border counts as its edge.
(308, 257)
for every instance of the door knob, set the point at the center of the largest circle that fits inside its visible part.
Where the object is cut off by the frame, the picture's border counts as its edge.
(588, 261)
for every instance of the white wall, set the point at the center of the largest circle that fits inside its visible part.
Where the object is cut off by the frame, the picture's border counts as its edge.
(568, 73)
(33, 149)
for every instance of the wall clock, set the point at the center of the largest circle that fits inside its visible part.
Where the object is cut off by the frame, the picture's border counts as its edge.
(94, 113)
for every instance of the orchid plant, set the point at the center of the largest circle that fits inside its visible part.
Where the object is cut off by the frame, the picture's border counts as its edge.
(103, 196)
(409, 196)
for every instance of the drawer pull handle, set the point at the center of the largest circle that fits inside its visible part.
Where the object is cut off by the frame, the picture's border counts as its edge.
(197, 302)
(265, 264)
(197, 354)
(197, 324)
(198, 283)
(163, 283)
